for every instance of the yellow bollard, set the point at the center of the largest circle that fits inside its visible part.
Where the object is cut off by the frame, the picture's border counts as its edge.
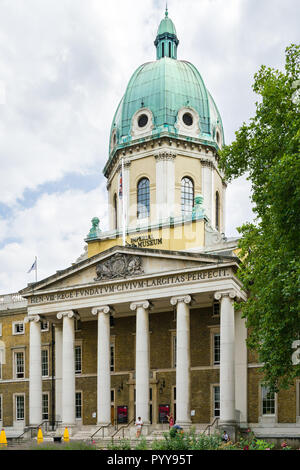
(3, 441)
(39, 436)
(66, 437)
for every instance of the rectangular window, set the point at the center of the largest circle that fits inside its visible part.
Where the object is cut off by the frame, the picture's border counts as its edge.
(112, 357)
(20, 407)
(217, 348)
(216, 392)
(44, 325)
(78, 405)
(19, 365)
(18, 328)
(45, 363)
(45, 406)
(216, 309)
(77, 359)
(268, 401)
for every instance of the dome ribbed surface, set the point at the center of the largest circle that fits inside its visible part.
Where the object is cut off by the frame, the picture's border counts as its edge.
(164, 87)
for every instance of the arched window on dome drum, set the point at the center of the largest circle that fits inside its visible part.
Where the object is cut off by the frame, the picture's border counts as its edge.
(217, 211)
(143, 198)
(187, 196)
(115, 212)
(163, 49)
(170, 49)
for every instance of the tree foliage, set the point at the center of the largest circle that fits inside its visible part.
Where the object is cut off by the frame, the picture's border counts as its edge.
(267, 151)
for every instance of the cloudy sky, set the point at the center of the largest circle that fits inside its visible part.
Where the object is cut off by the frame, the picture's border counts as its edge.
(64, 65)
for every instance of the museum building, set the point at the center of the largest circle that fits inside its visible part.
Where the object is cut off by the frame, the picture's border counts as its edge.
(146, 322)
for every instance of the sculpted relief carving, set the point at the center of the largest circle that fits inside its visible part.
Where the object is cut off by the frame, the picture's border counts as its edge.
(119, 266)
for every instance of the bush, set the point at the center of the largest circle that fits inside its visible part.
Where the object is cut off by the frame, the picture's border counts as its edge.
(123, 444)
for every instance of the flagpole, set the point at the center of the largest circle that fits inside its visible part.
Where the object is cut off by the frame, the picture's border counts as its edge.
(123, 205)
(35, 269)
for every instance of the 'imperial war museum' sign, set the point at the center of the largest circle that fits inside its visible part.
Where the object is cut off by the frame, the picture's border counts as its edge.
(133, 285)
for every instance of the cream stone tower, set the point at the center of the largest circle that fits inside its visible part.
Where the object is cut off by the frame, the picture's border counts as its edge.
(163, 178)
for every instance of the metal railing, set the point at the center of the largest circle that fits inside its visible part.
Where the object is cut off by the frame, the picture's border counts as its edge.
(46, 425)
(122, 428)
(101, 428)
(209, 426)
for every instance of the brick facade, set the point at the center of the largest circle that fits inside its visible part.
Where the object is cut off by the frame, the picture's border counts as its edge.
(204, 375)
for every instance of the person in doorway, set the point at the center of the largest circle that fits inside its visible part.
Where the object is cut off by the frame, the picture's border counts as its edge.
(139, 423)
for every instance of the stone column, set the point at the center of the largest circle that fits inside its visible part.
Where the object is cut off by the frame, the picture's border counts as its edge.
(68, 367)
(103, 365)
(183, 411)
(58, 371)
(227, 353)
(35, 370)
(142, 359)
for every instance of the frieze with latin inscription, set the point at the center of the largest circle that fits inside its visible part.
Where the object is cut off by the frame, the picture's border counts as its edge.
(129, 285)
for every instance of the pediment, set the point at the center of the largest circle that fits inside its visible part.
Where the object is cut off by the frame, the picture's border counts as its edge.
(120, 263)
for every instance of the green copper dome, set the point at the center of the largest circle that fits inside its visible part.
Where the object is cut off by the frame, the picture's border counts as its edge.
(165, 92)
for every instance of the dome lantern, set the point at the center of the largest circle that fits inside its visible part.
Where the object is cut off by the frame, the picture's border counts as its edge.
(166, 41)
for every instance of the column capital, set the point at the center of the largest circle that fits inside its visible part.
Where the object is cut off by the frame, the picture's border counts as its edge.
(183, 298)
(32, 318)
(165, 155)
(231, 293)
(143, 303)
(69, 314)
(102, 309)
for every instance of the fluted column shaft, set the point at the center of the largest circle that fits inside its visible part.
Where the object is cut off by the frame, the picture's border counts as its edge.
(103, 365)
(35, 370)
(182, 359)
(142, 362)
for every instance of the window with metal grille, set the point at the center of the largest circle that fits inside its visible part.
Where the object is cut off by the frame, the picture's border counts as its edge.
(78, 405)
(112, 357)
(217, 349)
(268, 401)
(20, 408)
(217, 401)
(19, 365)
(187, 196)
(45, 406)
(143, 198)
(45, 363)
(77, 359)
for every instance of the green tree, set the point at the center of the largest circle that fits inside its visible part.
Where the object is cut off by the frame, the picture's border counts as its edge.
(267, 151)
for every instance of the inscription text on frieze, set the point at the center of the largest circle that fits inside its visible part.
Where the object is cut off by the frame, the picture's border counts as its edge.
(129, 285)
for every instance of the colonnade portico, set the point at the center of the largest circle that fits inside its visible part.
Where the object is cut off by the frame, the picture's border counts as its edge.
(65, 362)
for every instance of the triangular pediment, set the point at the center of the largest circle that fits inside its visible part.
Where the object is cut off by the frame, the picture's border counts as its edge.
(125, 263)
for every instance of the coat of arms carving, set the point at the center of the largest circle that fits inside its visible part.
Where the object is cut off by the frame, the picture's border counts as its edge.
(119, 266)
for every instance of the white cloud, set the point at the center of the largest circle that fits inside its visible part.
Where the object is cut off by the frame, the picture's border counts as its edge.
(54, 230)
